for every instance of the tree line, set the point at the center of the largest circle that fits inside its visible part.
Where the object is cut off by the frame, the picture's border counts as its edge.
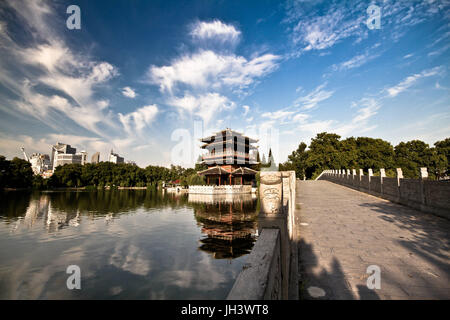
(329, 151)
(17, 173)
(326, 151)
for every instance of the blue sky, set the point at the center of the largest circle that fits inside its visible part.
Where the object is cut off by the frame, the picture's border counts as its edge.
(141, 74)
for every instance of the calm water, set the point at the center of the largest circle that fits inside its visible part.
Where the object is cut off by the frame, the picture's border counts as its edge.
(129, 244)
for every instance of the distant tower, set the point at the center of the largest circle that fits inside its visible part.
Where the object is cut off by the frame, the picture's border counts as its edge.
(115, 158)
(95, 157)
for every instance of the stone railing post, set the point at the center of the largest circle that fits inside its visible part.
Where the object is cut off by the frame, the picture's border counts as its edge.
(382, 175)
(360, 174)
(272, 215)
(423, 176)
(370, 174)
(399, 177)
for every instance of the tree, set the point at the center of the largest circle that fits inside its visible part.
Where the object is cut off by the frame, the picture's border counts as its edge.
(297, 161)
(443, 151)
(411, 156)
(373, 153)
(323, 154)
(16, 173)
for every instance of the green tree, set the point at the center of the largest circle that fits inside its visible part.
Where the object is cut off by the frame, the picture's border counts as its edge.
(297, 161)
(443, 152)
(323, 154)
(373, 153)
(411, 156)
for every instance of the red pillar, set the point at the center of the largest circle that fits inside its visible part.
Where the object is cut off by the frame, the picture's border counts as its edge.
(230, 179)
(219, 180)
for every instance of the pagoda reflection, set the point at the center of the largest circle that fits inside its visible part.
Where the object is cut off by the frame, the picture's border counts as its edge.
(229, 223)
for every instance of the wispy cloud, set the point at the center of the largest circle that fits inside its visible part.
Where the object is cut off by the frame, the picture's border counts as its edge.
(355, 62)
(246, 109)
(411, 80)
(312, 99)
(318, 32)
(277, 115)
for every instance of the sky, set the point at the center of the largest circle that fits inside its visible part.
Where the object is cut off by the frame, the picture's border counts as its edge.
(148, 78)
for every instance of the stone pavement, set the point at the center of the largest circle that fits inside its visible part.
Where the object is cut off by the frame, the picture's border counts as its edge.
(343, 231)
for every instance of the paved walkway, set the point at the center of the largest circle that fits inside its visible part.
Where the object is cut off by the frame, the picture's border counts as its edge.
(343, 231)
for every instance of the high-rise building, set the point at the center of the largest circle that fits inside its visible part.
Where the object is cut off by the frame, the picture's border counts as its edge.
(83, 157)
(64, 154)
(115, 158)
(95, 157)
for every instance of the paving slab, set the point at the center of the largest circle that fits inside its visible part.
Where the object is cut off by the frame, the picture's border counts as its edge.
(343, 231)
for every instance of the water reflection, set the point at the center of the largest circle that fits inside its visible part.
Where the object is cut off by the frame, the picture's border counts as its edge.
(137, 244)
(228, 221)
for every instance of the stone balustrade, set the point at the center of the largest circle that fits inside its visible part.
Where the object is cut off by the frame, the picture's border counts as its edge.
(272, 266)
(422, 194)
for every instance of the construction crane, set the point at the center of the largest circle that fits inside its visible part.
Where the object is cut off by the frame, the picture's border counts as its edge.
(25, 155)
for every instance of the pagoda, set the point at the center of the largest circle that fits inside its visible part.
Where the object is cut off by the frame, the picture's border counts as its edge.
(228, 159)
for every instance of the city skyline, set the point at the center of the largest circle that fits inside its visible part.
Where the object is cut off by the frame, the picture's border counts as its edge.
(136, 72)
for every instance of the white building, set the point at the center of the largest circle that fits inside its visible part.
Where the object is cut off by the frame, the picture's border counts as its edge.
(64, 154)
(115, 158)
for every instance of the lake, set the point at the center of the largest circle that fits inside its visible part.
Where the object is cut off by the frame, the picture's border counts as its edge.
(128, 244)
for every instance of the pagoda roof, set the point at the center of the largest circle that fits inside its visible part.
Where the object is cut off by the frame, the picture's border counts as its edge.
(243, 170)
(218, 170)
(214, 170)
(227, 132)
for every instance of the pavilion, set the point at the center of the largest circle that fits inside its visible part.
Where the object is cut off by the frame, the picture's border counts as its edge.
(228, 159)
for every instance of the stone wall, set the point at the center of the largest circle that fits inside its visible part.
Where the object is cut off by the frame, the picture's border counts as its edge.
(271, 268)
(422, 194)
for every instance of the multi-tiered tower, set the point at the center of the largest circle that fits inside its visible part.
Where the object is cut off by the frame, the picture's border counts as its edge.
(229, 158)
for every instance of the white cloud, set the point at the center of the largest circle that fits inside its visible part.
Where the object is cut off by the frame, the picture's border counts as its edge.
(355, 62)
(300, 117)
(411, 80)
(208, 69)
(439, 51)
(138, 119)
(128, 92)
(311, 100)
(215, 30)
(316, 126)
(277, 115)
(319, 25)
(205, 106)
(246, 110)
(322, 32)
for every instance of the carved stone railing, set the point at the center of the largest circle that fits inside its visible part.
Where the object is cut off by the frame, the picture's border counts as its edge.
(421, 194)
(271, 268)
